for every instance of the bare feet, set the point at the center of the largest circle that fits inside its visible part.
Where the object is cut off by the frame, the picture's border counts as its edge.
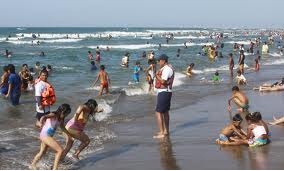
(76, 156)
(33, 167)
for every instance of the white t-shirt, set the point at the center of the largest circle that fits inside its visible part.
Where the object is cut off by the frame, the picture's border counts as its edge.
(241, 77)
(167, 73)
(39, 88)
(265, 48)
(124, 60)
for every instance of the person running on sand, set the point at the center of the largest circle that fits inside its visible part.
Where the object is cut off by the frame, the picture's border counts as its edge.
(231, 132)
(231, 64)
(104, 79)
(240, 100)
(49, 123)
(240, 78)
(76, 126)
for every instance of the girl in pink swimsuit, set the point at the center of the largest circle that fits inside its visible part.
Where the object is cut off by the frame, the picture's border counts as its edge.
(49, 123)
(76, 125)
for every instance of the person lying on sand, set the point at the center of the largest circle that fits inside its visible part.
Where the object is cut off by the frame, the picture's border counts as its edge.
(278, 121)
(277, 86)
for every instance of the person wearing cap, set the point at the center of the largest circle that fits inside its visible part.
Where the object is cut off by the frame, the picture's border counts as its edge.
(137, 69)
(164, 83)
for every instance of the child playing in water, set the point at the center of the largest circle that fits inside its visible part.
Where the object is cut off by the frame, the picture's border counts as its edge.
(240, 100)
(31, 84)
(216, 77)
(105, 80)
(137, 69)
(240, 78)
(232, 132)
(189, 70)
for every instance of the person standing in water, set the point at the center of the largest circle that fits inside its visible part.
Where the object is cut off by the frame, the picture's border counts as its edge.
(231, 64)
(164, 83)
(15, 83)
(49, 123)
(76, 126)
(242, 61)
(105, 80)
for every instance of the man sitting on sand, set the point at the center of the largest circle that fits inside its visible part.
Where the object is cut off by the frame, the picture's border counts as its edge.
(277, 86)
(105, 80)
(231, 132)
(240, 100)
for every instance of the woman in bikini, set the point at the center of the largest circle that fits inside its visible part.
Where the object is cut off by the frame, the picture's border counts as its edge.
(76, 125)
(49, 123)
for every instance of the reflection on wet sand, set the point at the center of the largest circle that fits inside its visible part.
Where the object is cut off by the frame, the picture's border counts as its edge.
(168, 160)
(258, 157)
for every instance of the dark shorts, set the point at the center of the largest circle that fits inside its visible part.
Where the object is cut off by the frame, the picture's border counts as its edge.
(39, 115)
(163, 102)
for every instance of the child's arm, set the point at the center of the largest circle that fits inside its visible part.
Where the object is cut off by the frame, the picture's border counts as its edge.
(62, 126)
(108, 79)
(43, 118)
(229, 103)
(238, 132)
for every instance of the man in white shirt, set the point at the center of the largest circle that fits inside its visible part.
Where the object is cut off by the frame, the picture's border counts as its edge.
(164, 83)
(265, 48)
(40, 86)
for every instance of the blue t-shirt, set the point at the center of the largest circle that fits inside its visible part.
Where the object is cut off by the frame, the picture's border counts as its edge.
(136, 70)
(15, 80)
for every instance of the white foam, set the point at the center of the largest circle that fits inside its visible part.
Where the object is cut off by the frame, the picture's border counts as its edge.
(274, 54)
(136, 89)
(179, 79)
(190, 37)
(44, 41)
(175, 31)
(276, 62)
(138, 46)
(106, 113)
(239, 42)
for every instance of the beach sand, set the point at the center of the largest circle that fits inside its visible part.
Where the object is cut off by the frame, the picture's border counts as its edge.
(192, 141)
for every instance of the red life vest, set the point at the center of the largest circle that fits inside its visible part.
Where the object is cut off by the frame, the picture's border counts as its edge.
(167, 84)
(48, 95)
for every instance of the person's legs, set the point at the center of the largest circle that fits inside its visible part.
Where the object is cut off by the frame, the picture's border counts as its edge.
(15, 99)
(50, 142)
(101, 90)
(42, 151)
(68, 145)
(85, 141)
(160, 124)
(277, 121)
(167, 123)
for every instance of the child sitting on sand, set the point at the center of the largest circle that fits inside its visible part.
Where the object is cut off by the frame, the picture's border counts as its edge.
(232, 132)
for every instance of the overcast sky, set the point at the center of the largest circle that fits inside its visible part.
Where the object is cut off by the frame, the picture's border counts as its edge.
(141, 13)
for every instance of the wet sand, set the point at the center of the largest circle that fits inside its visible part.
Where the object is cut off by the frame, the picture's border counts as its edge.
(192, 141)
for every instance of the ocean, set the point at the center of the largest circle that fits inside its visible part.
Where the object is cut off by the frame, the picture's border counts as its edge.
(73, 79)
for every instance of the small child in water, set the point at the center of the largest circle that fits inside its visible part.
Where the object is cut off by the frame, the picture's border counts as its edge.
(232, 132)
(216, 77)
(137, 69)
(240, 78)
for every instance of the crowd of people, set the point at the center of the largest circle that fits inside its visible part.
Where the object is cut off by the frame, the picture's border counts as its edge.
(161, 77)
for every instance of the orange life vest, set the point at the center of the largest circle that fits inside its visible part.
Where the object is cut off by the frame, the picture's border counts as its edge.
(48, 95)
(168, 84)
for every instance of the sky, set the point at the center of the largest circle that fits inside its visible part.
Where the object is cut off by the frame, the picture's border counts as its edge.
(142, 13)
